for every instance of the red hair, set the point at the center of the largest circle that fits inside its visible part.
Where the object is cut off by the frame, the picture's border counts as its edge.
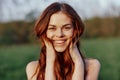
(64, 64)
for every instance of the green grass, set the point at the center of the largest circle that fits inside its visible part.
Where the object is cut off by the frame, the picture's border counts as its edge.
(13, 59)
(107, 51)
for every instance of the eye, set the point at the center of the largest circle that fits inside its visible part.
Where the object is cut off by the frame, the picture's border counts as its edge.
(67, 28)
(51, 28)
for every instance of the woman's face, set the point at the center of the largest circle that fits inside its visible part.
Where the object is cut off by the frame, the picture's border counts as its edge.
(60, 31)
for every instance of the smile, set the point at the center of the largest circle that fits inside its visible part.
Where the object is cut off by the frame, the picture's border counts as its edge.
(59, 42)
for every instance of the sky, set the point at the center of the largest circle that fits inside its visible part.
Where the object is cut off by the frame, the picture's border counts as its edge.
(18, 9)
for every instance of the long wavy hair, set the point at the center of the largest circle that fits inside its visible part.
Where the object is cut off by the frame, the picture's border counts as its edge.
(63, 65)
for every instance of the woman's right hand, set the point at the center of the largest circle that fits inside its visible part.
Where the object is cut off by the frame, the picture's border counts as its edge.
(50, 52)
(50, 58)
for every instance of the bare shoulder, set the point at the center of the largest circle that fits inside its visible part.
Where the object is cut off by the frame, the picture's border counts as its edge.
(92, 63)
(92, 68)
(31, 69)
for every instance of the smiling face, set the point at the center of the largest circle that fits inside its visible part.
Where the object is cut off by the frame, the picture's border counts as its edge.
(60, 31)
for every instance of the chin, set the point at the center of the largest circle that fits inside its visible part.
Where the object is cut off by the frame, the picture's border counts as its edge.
(60, 49)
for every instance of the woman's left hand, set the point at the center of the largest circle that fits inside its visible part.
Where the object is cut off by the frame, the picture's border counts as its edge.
(74, 53)
(78, 61)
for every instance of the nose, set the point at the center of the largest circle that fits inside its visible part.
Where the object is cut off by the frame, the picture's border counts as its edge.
(59, 33)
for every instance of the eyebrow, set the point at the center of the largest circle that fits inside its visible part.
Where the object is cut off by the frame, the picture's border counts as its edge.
(67, 25)
(62, 25)
(51, 25)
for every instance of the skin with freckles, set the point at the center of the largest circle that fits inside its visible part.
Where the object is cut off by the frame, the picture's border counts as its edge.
(60, 31)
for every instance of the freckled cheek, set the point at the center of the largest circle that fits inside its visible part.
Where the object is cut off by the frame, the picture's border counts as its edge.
(69, 34)
(50, 35)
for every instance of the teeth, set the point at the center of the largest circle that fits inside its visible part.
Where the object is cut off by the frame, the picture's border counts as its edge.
(59, 42)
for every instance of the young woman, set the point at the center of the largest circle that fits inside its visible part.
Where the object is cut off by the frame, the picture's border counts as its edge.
(59, 29)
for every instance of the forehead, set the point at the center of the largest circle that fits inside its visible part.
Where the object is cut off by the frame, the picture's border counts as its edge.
(59, 18)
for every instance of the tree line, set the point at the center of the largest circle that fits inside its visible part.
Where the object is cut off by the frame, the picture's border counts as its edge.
(102, 27)
(18, 32)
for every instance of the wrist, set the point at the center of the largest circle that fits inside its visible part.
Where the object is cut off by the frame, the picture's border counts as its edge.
(50, 55)
(78, 61)
(50, 60)
(77, 58)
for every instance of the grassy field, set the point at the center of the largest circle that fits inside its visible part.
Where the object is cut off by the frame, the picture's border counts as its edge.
(13, 59)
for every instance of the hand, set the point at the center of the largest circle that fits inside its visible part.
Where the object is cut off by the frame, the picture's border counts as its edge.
(79, 65)
(50, 58)
(75, 54)
(50, 52)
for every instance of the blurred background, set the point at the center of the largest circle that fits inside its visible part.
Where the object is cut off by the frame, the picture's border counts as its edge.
(18, 44)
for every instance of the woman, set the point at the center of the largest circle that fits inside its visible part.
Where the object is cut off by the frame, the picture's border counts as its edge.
(59, 28)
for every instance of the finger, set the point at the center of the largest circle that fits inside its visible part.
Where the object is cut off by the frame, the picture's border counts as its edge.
(49, 45)
(71, 44)
(47, 42)
(71, 48)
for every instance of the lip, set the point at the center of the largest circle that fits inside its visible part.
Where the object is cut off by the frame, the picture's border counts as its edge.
(59, 42)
